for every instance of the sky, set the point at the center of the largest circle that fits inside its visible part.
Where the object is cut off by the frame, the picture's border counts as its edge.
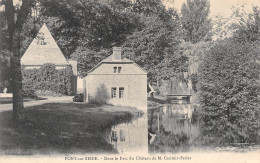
(217, 7)
(220, 12)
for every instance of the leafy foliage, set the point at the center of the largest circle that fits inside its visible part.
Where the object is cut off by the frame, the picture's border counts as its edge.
(5, 70)
(78, 97)
(101, 96)
(195, 20)
(229, 91)
(48, 78)
(248, 29)
(87, 58)
(155, 47)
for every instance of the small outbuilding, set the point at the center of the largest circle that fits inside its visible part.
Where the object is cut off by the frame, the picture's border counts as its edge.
(43, 49)
(118, 80)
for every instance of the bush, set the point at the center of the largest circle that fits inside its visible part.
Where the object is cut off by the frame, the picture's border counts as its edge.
(157, 91)
(229, 91)
(28, 90)
(78, 98)
(46, 93)
(1, 87)
(101, 97)
(48, 80)
(29, 93)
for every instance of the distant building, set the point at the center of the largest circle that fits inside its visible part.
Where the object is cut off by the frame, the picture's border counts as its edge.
(44, 49)
(125, 82)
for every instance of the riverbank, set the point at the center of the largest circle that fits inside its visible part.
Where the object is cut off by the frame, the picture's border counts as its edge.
(54, 128)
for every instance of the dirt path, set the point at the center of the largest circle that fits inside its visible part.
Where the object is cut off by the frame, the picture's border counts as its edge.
(63, 99)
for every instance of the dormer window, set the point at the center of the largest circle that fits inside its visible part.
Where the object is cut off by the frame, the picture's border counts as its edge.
(119, 69)
(115, 68)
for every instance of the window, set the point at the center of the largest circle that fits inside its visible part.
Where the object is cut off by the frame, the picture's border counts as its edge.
(113, 92)
(114, 136)
(115, 68)
(119, 69)
(121, 92)
(122, 135)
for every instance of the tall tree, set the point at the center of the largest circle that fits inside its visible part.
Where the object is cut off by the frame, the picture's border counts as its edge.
(195, 53)
(229, 84)
(248, 28)
(103, 26)
(16, 17)
(155, 45)
(195, 21)
(242, 24)
(229, 90)
(4, 55)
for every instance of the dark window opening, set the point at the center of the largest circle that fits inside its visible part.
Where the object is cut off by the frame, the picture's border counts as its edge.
(121, 92)
(113, 92)
(119, 69)
(115, 68)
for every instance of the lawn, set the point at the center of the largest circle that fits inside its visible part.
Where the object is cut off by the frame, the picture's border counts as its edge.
(9, 100)
(62, 128)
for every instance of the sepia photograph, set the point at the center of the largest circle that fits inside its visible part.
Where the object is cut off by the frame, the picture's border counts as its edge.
(130, 80)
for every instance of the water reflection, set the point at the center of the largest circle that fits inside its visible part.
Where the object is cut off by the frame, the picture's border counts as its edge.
(129, 137)
(175, 118)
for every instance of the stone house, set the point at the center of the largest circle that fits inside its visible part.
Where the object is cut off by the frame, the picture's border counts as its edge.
(43, 49)
(124, 82)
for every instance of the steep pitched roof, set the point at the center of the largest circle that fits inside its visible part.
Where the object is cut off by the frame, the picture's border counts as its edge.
(43, 49)
(110, 59)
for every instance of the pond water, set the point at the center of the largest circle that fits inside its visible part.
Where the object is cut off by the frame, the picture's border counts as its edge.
(173, 118)
(129, 137)
(174, 128)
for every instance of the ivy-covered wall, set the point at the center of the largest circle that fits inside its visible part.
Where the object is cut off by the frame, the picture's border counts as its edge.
(48, 79)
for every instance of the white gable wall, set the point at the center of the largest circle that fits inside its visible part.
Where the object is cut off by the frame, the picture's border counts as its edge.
(43, 49)
(127, 68)
(132, 78)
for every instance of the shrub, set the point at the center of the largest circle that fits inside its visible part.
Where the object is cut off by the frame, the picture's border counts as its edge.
(28, 90)
(46, 93)
(29, 93)
(101, 97)
(229, 91)
(157, 91)
(78, 97)
(48, 80)
(1, 87)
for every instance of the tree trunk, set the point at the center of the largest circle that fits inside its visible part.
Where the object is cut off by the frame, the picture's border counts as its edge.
(18, 107)
(158, 81)
(15, 21)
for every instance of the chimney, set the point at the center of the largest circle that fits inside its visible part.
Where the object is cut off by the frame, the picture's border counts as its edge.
(117, 53)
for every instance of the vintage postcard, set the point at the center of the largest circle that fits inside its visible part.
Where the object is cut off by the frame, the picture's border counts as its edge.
(130, 81)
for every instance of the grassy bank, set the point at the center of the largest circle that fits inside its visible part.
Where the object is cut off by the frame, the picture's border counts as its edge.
(9, 100)
(61, 128)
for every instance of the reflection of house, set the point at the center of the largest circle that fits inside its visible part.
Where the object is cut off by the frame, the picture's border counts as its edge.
(114, 136)
(130, 136)
(44, 49)
(125, 83)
